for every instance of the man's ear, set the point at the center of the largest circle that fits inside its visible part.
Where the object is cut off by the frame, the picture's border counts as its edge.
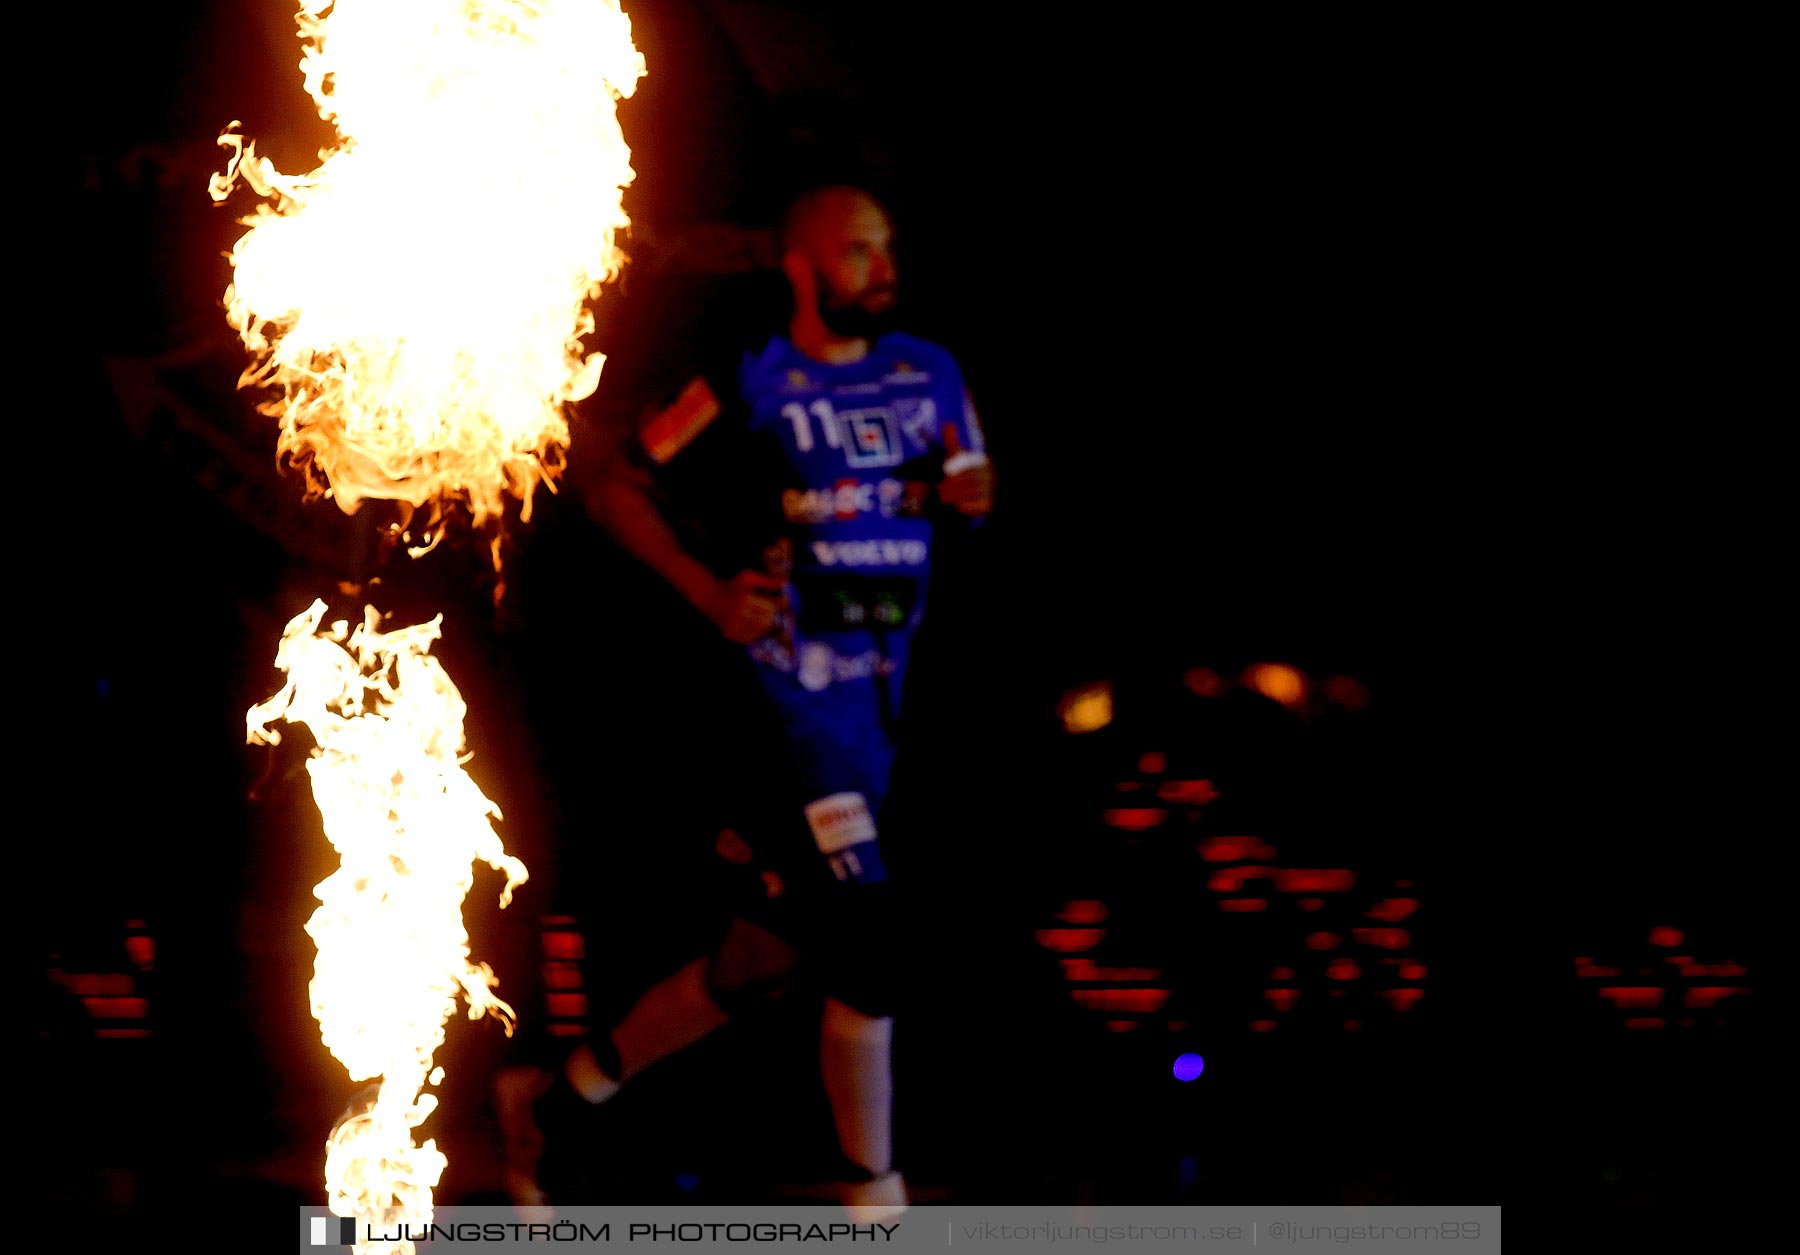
(800, 277)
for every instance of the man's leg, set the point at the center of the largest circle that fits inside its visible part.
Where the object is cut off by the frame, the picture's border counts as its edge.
(856, 1061)
(856, 1037)
(672, 1014)
(752, 965)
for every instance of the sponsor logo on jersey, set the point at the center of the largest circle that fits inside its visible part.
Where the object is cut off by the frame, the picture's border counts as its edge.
(906, 372)
(853, 497)
(672, 430)
(918, 420)
(874, 439)
(839, 821)
(818, 666)
(797, 381)
(881, 552)
(892, 494)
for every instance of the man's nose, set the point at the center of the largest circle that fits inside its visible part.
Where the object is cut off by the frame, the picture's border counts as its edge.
(881, 271)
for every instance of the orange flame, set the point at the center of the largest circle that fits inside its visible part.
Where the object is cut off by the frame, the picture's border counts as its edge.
(417, 302)
(393, 953)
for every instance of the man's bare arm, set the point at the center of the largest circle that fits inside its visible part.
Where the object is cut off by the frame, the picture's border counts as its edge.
(743, 607)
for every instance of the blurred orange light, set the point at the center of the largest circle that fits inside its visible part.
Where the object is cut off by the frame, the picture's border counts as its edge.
(1086, 709)
(1278, 682)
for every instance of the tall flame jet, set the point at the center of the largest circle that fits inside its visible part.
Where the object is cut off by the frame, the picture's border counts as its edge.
(393, 954)
(415, 308)
(416, 303)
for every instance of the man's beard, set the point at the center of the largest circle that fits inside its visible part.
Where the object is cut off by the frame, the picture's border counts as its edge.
(853, 321)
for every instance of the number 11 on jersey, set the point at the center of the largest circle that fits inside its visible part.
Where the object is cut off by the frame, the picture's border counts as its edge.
(795, 413)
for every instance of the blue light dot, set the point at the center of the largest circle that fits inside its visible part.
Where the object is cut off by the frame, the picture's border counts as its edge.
(1188, 1067)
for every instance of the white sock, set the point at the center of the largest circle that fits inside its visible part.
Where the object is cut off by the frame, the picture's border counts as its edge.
(855, 1059)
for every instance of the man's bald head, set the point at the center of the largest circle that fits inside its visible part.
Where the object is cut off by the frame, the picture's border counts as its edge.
(837, 251)
(820, 212)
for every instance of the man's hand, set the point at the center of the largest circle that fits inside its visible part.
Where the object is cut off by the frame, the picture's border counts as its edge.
(744, 607)
(969, 486)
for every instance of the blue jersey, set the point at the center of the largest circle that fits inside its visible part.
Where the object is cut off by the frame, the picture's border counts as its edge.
(828, 474)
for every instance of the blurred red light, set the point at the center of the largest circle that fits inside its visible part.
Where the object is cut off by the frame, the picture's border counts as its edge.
(1083, 911)
(563, 945)
(1314, 880)
(1066, 940)
(1230, 849)
(1633, 997)
(1135, 818)
(1188, 792)
(562, 976)
(1393, 910)
(1141, 1001)
(1709, 995)
(1231, 879)
(1383, 938)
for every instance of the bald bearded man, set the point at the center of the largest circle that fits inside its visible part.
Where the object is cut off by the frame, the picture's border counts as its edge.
(792, 500)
